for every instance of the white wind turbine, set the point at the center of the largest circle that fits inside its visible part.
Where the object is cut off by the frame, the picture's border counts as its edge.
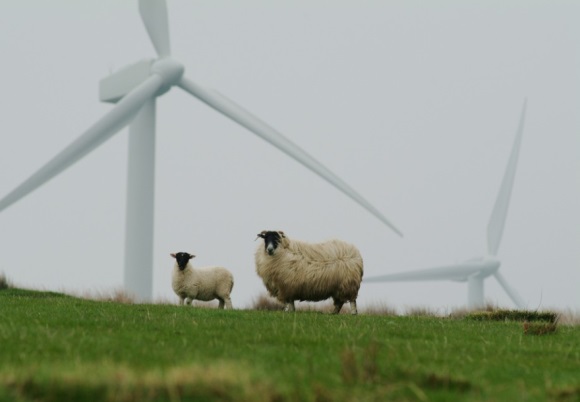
(474, 271)
(134, 89)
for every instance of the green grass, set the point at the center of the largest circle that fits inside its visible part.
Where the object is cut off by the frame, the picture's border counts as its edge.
(60, 348)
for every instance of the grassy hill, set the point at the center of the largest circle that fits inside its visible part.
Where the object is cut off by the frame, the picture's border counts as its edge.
(61, 348)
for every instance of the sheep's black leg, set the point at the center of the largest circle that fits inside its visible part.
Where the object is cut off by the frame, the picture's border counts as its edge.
(337, 306)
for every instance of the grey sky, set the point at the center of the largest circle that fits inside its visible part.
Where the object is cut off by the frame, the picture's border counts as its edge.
(414, 104)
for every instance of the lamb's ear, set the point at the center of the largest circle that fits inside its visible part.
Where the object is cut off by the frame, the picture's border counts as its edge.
(282, 233)
(191, 256)
(262, 235)
(173, 255)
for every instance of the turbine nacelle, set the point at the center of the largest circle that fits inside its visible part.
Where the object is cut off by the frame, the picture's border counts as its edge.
(114, 87)
(487, 266)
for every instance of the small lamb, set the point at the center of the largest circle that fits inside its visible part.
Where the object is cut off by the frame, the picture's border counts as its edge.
(204, 284)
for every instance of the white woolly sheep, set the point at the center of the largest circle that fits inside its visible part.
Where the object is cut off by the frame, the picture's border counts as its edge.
(295, 270)
(204, 284)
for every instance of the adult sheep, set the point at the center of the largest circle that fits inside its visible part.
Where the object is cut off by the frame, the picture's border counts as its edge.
(204, 284)
(295, 270)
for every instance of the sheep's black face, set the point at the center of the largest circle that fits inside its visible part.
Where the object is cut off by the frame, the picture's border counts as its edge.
(182, 259)
(271, 240)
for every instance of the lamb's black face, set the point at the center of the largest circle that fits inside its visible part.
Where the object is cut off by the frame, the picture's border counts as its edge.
(182, 259)
(271, 240)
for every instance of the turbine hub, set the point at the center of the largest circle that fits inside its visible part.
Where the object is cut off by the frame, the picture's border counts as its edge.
(170, 71)
(490, 265)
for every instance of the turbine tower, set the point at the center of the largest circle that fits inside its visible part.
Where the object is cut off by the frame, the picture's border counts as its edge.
(134, 90)
(476, 270)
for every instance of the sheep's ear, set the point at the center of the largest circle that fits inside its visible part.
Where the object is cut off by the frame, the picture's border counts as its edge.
(191, 256)
(173, 255)
(282, 233)
(262, 234)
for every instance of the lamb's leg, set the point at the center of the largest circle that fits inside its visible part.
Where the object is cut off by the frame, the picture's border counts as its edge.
(353, 310)
(337, 306)
(181, 301)
(290, 306)
(221, 305)
(228, 303)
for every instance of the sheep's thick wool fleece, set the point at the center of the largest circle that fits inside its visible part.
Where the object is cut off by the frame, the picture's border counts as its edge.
(313, 272)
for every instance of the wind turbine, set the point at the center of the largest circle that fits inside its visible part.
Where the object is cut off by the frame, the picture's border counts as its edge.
(476, 270)
(134, 89)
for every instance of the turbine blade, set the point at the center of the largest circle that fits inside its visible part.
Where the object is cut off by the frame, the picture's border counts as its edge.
(269, 134)
(498, 216)
(455, 272)
(154, 16)
(518, 301)
(102, 130)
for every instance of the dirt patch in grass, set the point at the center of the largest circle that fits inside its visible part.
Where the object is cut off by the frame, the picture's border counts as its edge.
(513, 315)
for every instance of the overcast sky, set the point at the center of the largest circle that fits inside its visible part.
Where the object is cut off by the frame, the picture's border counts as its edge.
(414, 103)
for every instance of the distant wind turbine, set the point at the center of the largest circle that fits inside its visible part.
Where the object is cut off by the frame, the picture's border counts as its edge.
(134, 89)
(474, 271)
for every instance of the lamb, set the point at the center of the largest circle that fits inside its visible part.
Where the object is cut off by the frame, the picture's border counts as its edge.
(204, 284)
(295, 270)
